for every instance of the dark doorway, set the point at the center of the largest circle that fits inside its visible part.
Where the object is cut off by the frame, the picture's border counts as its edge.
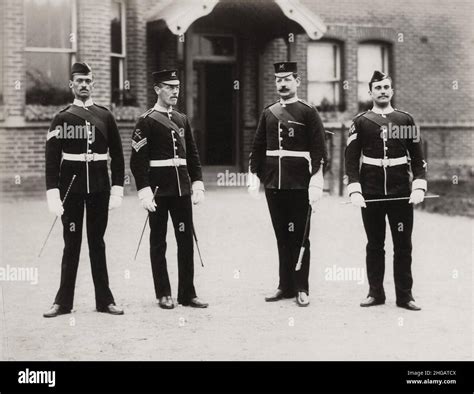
(218, 142)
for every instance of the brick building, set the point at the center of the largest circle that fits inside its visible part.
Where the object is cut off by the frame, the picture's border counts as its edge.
(225, 50)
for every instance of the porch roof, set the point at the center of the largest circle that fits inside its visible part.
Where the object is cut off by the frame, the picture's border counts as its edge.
(179, 15)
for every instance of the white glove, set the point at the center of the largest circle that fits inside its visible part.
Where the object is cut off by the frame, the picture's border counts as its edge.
(54, 202)
(198, 192)
(315, 194)
(357, 199)
(417, 196)
(146, 198)
(253, 184)
(116, 195)
(315, 190)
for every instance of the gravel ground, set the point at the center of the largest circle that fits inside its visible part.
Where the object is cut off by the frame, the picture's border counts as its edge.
(239, 251)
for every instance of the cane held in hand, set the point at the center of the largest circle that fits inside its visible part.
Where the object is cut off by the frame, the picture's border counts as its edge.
(305, 237)
(56, 218)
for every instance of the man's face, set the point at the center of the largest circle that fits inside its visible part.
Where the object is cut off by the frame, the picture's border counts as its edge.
(167, 94)
(382, 92)
(82, 86)
(286, 86)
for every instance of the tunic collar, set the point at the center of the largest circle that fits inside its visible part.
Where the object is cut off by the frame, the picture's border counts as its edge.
(83, 104)
(289, 101)
(159, 108)
(386, 111)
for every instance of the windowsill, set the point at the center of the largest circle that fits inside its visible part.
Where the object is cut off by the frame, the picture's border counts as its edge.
(124, 113)
(39, 113)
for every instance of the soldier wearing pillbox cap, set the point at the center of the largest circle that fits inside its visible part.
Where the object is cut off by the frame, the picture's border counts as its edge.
(81, 158)
(387, 160)
(288, 156)
(167, 170)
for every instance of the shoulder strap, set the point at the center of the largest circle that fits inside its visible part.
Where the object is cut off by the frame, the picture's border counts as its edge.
(373, 117)
(281, 113)
(163, 120)
(89, 116)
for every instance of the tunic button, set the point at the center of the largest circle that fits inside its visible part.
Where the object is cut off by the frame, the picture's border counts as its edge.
(89, 151)
(281, 147)
(176, 156)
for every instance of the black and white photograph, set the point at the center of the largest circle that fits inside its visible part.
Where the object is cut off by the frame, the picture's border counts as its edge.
(237, 181)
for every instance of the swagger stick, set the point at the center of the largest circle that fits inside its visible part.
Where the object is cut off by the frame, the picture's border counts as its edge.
(390, 199)
(144, 226)
(305, 237)
(56, 218)
(197, 245)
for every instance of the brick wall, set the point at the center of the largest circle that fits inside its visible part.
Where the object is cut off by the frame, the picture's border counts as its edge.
(436, 50)
(137, 51)
(14, 66)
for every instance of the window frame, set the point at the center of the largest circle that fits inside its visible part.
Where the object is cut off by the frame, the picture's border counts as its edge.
(387, 65)
(123, 55)
(338, 53)
(73, 49)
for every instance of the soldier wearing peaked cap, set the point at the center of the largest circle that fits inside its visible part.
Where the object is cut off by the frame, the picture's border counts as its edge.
(389, 144)
(288, 156)
(165, 159)
(78, 143)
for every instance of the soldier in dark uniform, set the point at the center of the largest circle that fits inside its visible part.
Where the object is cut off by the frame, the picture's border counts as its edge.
(388, 143)
(165, 164)
(77, 144)
(288, 156)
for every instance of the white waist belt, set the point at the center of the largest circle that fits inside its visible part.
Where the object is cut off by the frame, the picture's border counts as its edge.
(289, 153)
(84, 156)
(385, 162)
(167, 163)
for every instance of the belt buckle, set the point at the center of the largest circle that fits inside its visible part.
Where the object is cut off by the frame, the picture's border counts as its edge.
(89, 156)
(175, 161)
(386, 162)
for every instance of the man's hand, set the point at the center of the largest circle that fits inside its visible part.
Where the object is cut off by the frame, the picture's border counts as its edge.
(357, 199)
(54, 202)
(417, 196)
(253, 184)
(315, 190)
(146, 198)
(198, 192)
(116, 196)
(315, 194)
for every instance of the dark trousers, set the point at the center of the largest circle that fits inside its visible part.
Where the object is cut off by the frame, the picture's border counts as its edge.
(288, 210)
(97, 211)
(400, 218)
(180, 209)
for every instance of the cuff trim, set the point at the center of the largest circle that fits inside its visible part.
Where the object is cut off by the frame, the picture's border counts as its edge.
(317, 180)
(53, 194)
(354, 187)
(419, 184)
(116, 191)
(198, 185)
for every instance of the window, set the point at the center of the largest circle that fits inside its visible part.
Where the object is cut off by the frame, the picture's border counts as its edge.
(324, 76)
(50, 50)
(120, 92)
(370, 57)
